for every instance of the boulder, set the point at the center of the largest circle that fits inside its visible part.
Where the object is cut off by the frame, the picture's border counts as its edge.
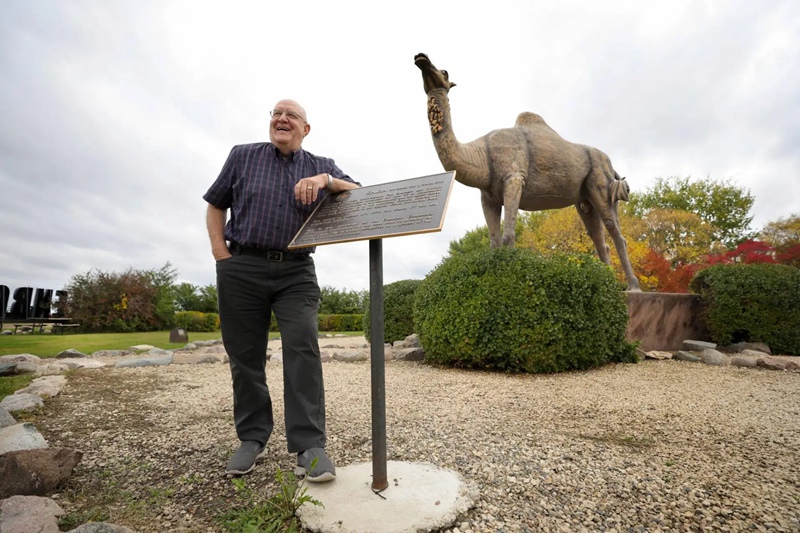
(83, 363)
(658, 355)
(409, 354)
(22, 514)
(742, 346)
(686, 356)
(8, 369)
(158, 360)
(6, 419)
(713, 357)
(112, 353)
(36, 472)
(14, 403)
(697, 346)
(21, 357)
(141, 348)
(772, 363)
(70, 354)
(20, 437)
(350, 356)
(44, 387)
(53, 369)
(744, 361)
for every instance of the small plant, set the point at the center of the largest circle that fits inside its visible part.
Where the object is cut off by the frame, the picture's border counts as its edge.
(274, 515)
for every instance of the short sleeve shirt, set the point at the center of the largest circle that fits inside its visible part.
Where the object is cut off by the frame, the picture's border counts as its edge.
(257, 185)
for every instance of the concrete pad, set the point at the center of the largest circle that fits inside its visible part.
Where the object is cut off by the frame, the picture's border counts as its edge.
(420, 497)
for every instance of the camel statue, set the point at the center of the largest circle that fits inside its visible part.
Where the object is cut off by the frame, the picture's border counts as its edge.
(528, 167)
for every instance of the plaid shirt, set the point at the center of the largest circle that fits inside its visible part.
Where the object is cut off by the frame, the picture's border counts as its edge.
(257, 185)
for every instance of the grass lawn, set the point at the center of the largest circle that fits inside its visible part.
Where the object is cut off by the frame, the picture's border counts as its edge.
(48, 345)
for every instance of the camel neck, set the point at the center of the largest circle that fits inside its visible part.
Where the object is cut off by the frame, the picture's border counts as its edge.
(468, 160)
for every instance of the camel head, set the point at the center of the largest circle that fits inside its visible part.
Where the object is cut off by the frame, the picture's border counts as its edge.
(432, 77)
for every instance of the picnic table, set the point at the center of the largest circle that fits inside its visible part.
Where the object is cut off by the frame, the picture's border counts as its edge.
(59, 324)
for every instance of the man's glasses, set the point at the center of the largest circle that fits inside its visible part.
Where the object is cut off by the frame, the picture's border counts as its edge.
(291, 115)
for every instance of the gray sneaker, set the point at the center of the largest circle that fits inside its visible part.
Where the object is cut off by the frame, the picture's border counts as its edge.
(322, 470)
(244, 460)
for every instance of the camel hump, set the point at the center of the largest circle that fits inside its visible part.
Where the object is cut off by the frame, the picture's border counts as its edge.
(526, 118)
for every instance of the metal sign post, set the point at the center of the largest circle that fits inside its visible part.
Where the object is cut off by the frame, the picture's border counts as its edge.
(378, 364)
(405, 207)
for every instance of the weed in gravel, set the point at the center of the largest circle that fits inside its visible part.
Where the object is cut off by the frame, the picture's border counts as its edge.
(273, 515)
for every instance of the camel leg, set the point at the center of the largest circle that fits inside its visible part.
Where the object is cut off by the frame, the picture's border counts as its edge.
(491, 212)
(607, 212)
(512, 193)
(594, 227)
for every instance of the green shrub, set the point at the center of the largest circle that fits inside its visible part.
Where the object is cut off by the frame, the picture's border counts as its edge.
(197, 321)
(340, 322)
(754, 303)
(398, 311)
(516, 311)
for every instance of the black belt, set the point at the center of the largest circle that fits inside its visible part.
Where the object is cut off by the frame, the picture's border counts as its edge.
(270, 255)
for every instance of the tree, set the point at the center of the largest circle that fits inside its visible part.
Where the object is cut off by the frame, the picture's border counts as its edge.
(557, 230)
(782, 234)
(208, 299)
(190, 297)
(678, 236)
(163, 281)
(186, 298)
(338, 302)
(722, 205)
(478, 238)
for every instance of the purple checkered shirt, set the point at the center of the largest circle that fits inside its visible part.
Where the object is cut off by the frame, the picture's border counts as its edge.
(257, 185)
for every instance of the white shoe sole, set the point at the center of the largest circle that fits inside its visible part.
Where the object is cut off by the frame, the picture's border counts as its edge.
(325, 476)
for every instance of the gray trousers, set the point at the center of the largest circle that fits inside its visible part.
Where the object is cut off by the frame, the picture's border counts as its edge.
(249, 290)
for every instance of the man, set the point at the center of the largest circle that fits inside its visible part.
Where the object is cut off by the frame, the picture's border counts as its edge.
(270, 190)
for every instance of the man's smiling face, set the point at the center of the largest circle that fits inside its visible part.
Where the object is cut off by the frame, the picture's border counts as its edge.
(288, 126)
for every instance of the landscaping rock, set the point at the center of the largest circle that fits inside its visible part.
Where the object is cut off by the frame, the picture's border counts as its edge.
(350, 356)
(713, 357)
(20, 357)
(686, 356)
(20, 437)
(70, 354)
(658, 355)
(112, 353)
(409, 354)
(52, 369)
(36, 472)
(8, 369)
(744, 361)
(29, 514)
(742, 346)
(14, 403)
(144, 361)
(141, 348)
(697, 346)
(6, 419)
(44, 387)
(83, 363)
(772, 363)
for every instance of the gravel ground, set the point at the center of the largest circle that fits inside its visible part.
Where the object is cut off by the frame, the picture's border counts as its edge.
(657, 446)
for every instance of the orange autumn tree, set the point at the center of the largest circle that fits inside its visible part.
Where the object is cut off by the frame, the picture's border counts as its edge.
(562, 231)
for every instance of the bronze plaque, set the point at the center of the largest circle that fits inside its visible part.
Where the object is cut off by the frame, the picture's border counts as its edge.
(404, 207)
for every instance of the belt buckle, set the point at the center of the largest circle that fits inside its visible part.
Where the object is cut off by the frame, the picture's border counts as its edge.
(275, 256)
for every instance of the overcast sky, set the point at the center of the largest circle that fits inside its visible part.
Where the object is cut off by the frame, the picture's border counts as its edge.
(116, 116)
